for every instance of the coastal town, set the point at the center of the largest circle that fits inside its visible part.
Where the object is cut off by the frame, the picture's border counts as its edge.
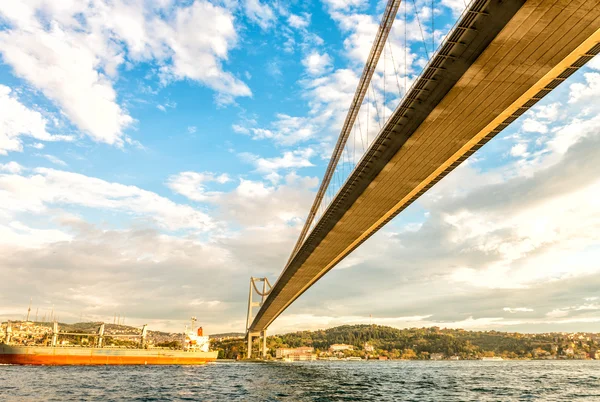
(374, 342)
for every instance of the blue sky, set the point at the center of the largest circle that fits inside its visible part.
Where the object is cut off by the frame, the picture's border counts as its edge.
(154, 154)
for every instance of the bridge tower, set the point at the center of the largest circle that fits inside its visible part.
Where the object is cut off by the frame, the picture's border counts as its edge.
(266, 289)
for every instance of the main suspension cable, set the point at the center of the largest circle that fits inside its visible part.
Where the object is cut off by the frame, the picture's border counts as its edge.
(384, 29)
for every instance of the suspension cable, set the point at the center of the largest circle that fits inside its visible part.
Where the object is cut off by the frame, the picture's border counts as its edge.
(384, 80)
(405, 50)
(376, 109)
(361, 136)
(432, 28)
(384, 29)
(368, 117)
(395, 70)
(261, 294)
(421, 28)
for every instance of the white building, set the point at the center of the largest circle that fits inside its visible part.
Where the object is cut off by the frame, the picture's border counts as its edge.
(300, 352)
(436, 356)
(339, 347)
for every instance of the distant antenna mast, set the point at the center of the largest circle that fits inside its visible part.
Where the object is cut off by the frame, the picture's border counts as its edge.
(29, 310)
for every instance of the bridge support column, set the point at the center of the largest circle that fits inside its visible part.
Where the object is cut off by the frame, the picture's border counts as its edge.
(264, 343)
(249, 352)
(251, 336)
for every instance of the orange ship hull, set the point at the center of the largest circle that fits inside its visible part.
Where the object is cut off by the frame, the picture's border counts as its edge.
(61, 356)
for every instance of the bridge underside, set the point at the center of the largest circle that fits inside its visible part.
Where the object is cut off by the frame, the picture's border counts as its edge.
(501, 59)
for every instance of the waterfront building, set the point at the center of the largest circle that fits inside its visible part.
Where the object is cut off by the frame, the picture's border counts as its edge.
(340, 347)
(301, 353)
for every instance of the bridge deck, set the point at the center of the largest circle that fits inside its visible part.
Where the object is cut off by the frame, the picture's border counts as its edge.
(500, 59)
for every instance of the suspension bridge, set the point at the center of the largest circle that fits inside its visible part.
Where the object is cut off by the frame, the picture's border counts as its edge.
(500, 59)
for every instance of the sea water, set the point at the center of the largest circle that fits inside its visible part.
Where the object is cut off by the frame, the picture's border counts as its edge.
(309, 381)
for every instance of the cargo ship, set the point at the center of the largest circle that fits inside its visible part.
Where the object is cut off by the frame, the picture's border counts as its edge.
(195, 351)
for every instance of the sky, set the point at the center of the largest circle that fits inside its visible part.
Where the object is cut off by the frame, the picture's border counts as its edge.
(155, 154)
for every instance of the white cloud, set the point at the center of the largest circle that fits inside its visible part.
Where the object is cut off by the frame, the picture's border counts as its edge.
(328, 92)
(457, 6)
(49, 188)
(54, 160)
(168, 104)
(192, 184)
(519, 150)
(209, 303)
(11, 167)
(548, 112)
(517, 309)
(298, 21)
(534, 126)
(65, 66)
(200, 36)
(329, 96)
(557, 313)
(103, 271)
(240, 129)
(259, 13)
(268, 207)
(566, 135)
(73, 51)
(289, 160)
(18, 234)
(317, 64)
(285, 130)
(590, 90)
(345, 4)
(192, 129)
(17, 120)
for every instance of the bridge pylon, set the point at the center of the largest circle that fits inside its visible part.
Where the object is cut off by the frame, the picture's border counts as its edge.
(266, 289)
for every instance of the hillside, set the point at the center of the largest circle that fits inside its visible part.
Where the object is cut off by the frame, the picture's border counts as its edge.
(421, 343)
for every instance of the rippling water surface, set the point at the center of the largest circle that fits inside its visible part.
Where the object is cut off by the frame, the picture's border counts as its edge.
(310, 381)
